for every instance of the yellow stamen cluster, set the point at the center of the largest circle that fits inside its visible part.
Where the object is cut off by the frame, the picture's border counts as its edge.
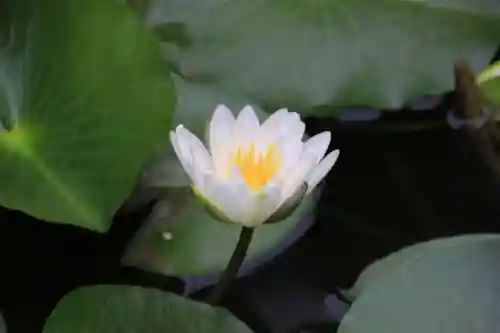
(257, 169)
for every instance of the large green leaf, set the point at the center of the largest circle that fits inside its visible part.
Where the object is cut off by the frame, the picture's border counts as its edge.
(390, 264)
(306, 54)
(94, 102)
(452, 288)
(125, 309)
(181, 239)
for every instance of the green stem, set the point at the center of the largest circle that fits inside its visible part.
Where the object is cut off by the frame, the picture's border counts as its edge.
(233, 266)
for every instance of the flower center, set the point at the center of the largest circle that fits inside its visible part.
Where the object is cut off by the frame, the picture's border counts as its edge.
(256, 168)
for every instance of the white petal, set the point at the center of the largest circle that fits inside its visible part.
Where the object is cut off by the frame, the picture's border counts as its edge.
(294, 173)
(284, 130)
(184, 156)
(202, 166)
(280, 124)
(220, 137)
(233, 198)
(292, 127)
(290, 146)
(295, 176)
(264, 204)
(201, 160)
(183, 145)
(274, 121)
(246, 127)
(196, 146)
(317, 145)
(240, 204)
(319, 172)
(270, 130)
(298, 129)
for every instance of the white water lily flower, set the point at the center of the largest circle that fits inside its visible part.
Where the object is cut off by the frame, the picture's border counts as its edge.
(252, 173)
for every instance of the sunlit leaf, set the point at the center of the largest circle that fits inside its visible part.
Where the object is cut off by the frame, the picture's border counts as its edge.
(89, 101)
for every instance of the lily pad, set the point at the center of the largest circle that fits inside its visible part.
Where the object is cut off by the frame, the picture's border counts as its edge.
(390, 264)
(306, 54)
(92, 102)
(451, 288)
(181, 239)
(126, 309)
